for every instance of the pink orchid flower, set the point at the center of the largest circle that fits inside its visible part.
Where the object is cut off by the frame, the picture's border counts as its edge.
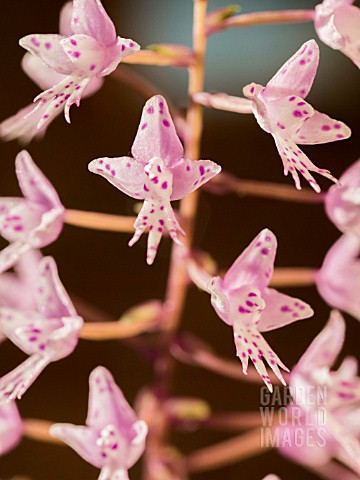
(338, 280)
(113, 438)
(75, 61)
(280, 109)
(157, 174)
(342, 201)
(47, 334)
(243, 300)
(33, 221)
(11, 427)
(326, 403)
(337, 22)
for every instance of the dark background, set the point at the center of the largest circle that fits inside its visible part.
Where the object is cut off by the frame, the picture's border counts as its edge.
(99, 266)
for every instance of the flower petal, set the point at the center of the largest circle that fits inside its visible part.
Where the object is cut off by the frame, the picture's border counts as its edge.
(48, 48)
(81, 439)
(325, 348)
(288, 113)
(295, 159)
(90, 18)
(40, 73)
(85, 53)
(342, 201)
(255, 265)
(33, 183)
(156, 135)
(347, 22)
(11, 254)
(320, 128)
(125, 173)
(65, 20)
(11, 427)
(296, 76)
(338, 280)
(14, 384)
(281, 310)
(107, 404)
(51, 296)
(189, 175)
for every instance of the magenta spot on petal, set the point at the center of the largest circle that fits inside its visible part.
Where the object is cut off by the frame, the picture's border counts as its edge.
(252, 89)
(325, 128)
(123, 47)
(47, 45)
(146, 189)
(337, 126)
(166, 123)
(339, 135)
(264, 251)
(252, 294)
(291, 99)
(131, 44)
(243, 354)
(161, 222)
(299, 104)
(92, 67)
(150, 110)
(160, 230)
(302, 62)
(76, 54)
(46, 116)
(113, 173)
(187, 168)
(73, 42)
(143, 126)
(297, 113)
(164, 185)
(285, 308)
(201, 170)
(162, 207)
(18, 228)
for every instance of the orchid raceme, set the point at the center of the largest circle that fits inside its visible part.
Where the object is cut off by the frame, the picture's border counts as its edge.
(342, 202)
(243, 300)
(33, 221)
(86, 50)
(337, 22)
(11, 427)
(47, 334)
(333, 417)
(280, 109)
(113, 438)
(157, 174)
(338, 280)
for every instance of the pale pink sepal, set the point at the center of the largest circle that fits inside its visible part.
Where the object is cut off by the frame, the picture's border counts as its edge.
(48, 333)
(342, 202)
(113, 438)
(11, 427)
(243, 300)
(33, 221)
(338, 280)
(280, 109)
(157, 174)
(338, 25)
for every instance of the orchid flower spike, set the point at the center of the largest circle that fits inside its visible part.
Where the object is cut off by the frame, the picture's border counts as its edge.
(72, 65)
(337, 22)
(11, 427)
(243, 300)
(342, 202)
(326, 403)
(280, 110)
(47, 334)
(113, 438)
(338, 280)
(157, 174)
(31, 222)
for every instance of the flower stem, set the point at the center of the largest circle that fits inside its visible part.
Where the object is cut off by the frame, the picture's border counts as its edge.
(222, 101)
(225, 183)
(232, 421)
(39, 430)
(100, 221)
(293, 277)
(229, 451)
(149, 57)
(259, 18)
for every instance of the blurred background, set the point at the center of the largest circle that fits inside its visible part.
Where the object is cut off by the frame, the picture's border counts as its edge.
(99, 267)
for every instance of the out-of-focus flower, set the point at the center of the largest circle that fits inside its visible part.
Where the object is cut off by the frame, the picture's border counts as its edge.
(71, 63)
(338, 280)
(243, 300)
(337, 22)
(342, 201)
(47, 334)
(113, 438)
(326, 403)
(11, 427)
(33, 221)
(280, 110)
(157, 174)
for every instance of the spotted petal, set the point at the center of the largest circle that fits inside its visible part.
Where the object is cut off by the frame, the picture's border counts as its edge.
(255, 264)
(156, 135)
(49, 49)
(320, 128)
(296, 76)
(90, 18)
(124, 173)
(295, 160)
(281, 310)
(51, 296)
(33, 183)
(189, 175)
(85, 53)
